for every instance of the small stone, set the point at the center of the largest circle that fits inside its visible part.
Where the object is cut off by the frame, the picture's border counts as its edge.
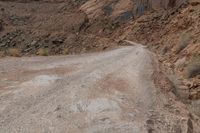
(57, 41)
(58, 108)
(33, 42)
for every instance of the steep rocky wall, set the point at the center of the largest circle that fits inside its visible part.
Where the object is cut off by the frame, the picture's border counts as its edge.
(115, 8)
(157, 4)
(143, 5)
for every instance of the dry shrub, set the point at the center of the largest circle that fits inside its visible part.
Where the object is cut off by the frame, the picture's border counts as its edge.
(43, 52)
(14, 52)
(2, 53)
(177, 87)
(184, 41)
(65, 51)
(193, 68)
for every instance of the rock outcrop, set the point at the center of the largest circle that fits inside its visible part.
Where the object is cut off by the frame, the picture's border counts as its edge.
(131, 8)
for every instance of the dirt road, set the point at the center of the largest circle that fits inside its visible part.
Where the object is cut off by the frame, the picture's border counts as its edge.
(109, 92)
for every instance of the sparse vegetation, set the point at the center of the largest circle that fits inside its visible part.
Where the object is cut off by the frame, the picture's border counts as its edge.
(2, 53)
(1, 24)
(65, 51)
(164, 50)
(176, 87)
(14, 52)
(43, 52)
(193, 68)
(110, 25)
(184, 41)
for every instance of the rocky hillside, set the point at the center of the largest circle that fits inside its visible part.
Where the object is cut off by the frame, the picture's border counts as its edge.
(174, 36)
(67, 26)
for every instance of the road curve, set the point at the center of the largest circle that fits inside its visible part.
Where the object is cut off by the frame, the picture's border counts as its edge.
(108, 92)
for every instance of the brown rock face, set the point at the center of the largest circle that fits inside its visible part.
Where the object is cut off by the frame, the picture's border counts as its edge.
(96, 8)
(158, 4)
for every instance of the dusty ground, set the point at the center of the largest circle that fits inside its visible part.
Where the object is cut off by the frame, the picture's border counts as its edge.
(113, 92)
(57, 27)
